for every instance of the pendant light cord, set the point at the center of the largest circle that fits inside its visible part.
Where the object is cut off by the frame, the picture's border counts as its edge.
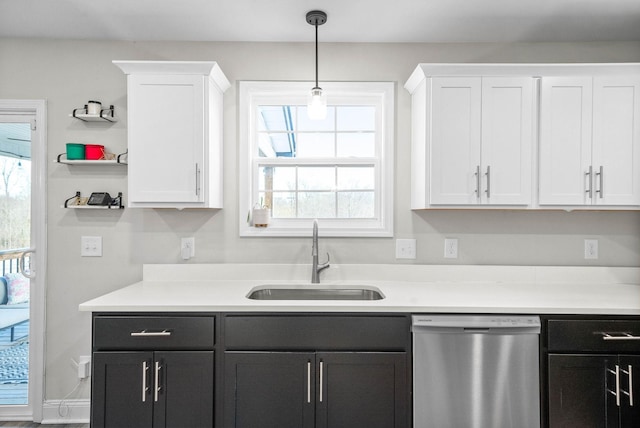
(316, 25)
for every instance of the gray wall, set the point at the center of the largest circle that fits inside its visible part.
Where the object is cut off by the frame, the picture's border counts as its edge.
(68, 73)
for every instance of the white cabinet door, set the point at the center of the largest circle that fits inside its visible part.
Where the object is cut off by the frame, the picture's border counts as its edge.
(616, 140)
(565, 140)
(481, 141)
(166, 138)
(507, 140)
(455, 140)
(590, 141)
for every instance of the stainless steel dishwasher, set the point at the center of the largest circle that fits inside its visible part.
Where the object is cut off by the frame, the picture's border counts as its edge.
(476, 371)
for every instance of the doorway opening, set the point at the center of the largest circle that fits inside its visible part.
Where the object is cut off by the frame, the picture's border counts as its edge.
(15, 240)
(22, 258)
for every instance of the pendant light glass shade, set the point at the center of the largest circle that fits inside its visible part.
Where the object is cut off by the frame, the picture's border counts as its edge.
(317, 104)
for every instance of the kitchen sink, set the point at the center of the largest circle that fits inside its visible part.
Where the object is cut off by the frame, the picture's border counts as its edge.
(315, 293)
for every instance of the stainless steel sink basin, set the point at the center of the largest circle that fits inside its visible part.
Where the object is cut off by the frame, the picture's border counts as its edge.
(347, 293)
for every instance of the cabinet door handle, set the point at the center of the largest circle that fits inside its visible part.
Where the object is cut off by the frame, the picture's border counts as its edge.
(622, 337)
(629, 373)
(589, 174)
(600, 175)
(321, 377)
(156, 380)
(616, 394)
(477, 174)
(197, 180)
(308, 381)
(145, 333)
(144, 381)
(488, 174)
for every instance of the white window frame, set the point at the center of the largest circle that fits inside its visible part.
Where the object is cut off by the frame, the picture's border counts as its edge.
(380, 94)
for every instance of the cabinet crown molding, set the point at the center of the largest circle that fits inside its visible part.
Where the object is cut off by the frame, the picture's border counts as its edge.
(424, 70)
(204, 68)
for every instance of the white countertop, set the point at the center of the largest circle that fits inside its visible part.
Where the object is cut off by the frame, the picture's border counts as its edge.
(406, 288)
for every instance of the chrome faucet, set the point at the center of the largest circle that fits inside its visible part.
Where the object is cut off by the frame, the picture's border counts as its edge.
(316, 268)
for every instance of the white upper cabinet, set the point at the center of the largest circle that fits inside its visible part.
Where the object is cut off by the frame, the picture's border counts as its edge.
(472, 141)
(175, 133)
(590, 141)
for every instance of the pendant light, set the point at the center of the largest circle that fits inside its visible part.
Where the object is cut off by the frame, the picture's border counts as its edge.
(317, 103)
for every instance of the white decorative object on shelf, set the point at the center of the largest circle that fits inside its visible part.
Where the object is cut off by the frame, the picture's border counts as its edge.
(106, 114)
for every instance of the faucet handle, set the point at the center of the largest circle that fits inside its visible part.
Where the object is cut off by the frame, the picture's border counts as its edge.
(325, 264)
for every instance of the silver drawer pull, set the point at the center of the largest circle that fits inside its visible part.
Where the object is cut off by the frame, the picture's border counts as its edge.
(619, 336)
(145, 333)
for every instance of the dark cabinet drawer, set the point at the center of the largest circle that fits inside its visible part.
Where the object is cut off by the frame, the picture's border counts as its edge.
(153, 333)
(311, 332)
(615, 336)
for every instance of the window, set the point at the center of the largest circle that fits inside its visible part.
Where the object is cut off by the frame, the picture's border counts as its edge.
(338, 170)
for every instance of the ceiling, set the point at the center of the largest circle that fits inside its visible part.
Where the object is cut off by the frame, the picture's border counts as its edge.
(502, 21)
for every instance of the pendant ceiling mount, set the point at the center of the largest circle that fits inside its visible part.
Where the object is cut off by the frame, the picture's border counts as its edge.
(316, 17)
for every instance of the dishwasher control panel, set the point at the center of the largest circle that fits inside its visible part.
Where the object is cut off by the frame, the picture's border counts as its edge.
(487, 321)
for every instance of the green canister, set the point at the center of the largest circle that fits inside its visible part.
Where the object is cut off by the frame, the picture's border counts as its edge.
(75, 151)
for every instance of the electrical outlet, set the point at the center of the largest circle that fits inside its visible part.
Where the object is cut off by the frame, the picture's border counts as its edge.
(451, 248)
(405, 248)
(84, 366)
(91, 246)
(591, 249)
(188, 248)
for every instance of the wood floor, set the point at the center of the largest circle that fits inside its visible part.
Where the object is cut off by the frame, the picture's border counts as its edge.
(34, 425)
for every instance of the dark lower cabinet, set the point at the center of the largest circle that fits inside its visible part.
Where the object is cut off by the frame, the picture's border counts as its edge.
(596, 391)
(153, 389)
(315, 389)
(593, 374)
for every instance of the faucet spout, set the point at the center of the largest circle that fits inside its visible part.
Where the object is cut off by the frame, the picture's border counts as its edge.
(316, 267)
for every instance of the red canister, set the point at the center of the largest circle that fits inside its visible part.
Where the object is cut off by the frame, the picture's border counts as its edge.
(94, 152)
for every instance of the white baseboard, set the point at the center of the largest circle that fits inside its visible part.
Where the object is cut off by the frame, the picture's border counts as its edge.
(67, 412)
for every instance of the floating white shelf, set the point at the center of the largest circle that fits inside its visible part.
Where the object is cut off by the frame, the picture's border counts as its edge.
(106, 114)
(77, 202)
(95, 207)
(117, 161)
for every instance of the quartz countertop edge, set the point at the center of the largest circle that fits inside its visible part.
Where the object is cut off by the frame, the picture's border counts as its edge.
(406, 289)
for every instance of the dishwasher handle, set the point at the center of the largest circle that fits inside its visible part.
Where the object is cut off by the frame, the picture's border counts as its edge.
(475, 330)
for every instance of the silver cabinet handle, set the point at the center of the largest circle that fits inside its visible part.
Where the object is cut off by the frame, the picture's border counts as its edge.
(477, 174)
(629, 373)
(144, 381)
(321, 376)
(623, 336)
(589, 190)
(488, 174)
(145, 333)
(617, 391)
(156, 380)
(600, 175)
(197, 180)
(308, 381)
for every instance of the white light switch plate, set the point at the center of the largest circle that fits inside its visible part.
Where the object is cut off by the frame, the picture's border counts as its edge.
(91, 246)
(405, 248)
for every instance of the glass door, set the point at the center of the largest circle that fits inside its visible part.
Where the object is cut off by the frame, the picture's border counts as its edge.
(15, 239)
(22, 232)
